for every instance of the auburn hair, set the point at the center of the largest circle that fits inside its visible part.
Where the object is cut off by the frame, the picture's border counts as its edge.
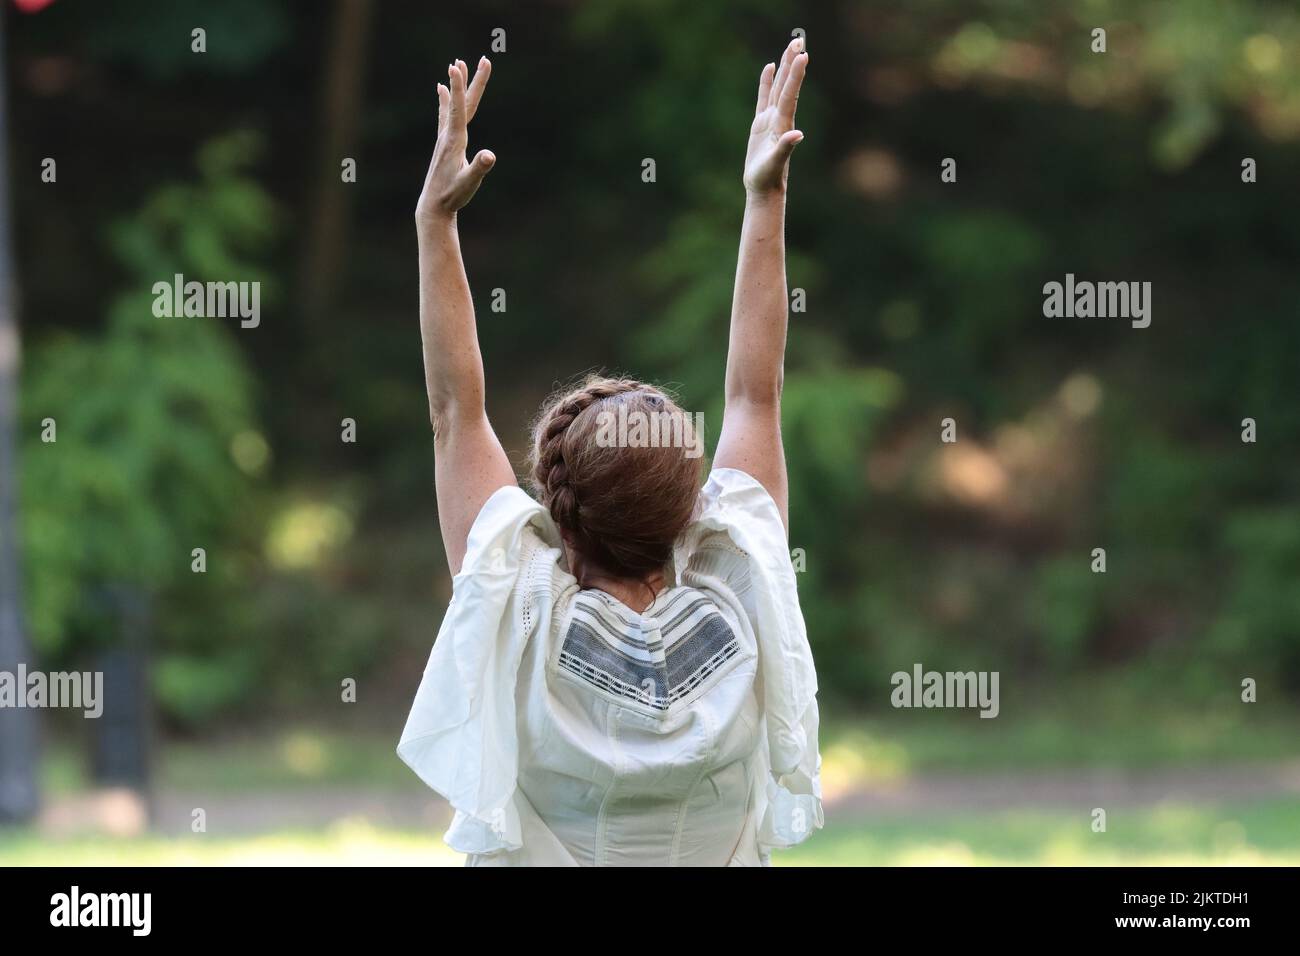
(620, 505)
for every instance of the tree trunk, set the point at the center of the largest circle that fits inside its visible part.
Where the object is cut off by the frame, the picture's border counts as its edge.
(340, 109)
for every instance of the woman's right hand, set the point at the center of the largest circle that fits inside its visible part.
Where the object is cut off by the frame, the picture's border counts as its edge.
(452, 181)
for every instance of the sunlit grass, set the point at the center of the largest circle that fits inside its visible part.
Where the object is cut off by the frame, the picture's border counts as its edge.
(1169, 835)
(349, 843)
(871, 751)
(1266, 833)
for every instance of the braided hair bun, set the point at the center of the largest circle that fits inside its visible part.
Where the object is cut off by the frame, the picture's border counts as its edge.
(621, 503)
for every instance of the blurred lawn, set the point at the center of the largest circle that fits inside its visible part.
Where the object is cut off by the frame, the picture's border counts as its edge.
(862, 752)
(1265, 833)
(1077, 730)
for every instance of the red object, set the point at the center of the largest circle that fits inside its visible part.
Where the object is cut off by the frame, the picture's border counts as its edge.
(32, 6)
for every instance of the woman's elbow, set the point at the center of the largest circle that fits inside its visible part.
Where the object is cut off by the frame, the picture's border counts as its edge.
(758, 391)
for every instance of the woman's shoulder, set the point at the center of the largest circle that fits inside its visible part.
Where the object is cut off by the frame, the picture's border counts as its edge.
(736, 521)
(736, 491)
(511, 530)
(541, 565)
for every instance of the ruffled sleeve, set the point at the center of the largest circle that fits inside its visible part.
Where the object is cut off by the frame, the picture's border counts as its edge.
(737, 504)
(461, 736)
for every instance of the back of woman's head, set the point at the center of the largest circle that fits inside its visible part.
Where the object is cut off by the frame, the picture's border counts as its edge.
(620, 493)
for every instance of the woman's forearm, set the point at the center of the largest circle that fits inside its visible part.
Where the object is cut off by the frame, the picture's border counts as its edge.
(453, 366)
(756, 347)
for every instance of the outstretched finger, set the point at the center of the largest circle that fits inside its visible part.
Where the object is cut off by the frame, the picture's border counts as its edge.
(790, 95)
(783, 71)
(457, 98)
(765, 87)
(475, 91)
(444, 106)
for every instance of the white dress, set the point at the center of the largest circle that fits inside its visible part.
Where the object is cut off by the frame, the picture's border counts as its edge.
(566, 729)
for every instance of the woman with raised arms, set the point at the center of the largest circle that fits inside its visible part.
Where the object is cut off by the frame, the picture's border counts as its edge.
(623, 675)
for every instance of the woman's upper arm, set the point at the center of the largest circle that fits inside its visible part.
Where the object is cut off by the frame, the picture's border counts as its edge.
(469, 466)
(751, 442)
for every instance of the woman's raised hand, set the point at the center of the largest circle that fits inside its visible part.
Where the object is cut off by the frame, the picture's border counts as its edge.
(451, 180)
(773, 137)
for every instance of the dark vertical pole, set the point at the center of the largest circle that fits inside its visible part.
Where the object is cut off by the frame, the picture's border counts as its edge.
(18, 796)
(121, 744)
(345, 68)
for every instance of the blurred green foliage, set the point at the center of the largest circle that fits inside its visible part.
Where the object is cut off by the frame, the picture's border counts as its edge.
(152, 438)
(923, 302)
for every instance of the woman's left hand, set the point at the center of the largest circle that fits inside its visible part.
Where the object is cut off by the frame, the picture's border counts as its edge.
(773, 137)
(451, 181)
